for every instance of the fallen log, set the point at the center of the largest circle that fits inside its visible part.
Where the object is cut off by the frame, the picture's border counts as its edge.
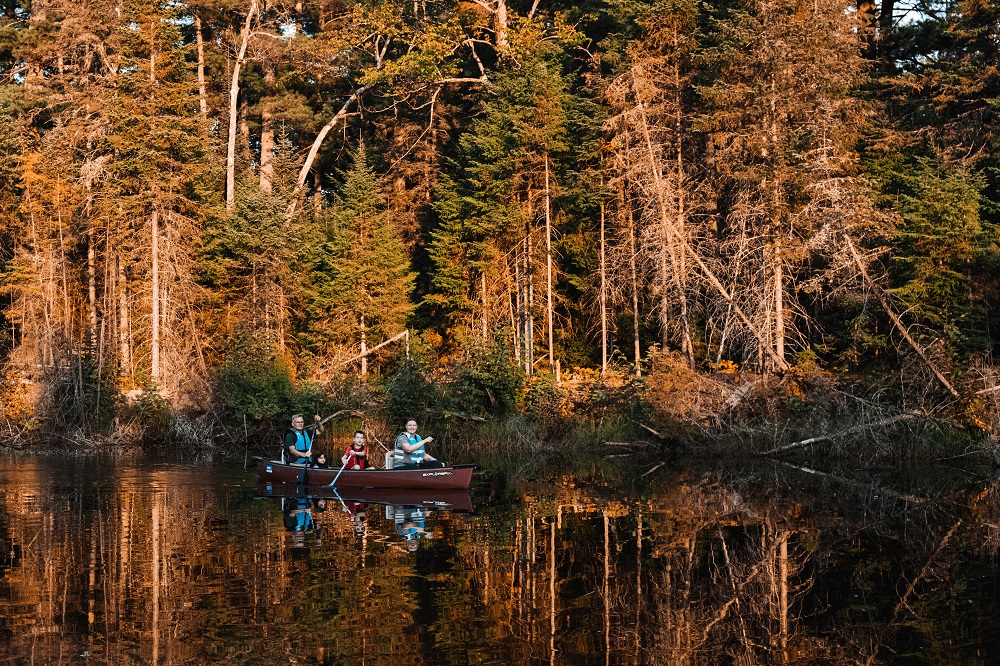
(850, 431)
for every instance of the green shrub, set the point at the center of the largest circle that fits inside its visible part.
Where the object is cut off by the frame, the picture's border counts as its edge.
(255, 384)
(486, 379)
(409, 390)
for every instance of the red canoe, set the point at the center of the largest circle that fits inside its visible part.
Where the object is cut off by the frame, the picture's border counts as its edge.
(459, 476)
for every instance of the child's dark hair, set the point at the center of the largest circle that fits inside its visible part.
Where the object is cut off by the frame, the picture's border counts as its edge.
(359, 432)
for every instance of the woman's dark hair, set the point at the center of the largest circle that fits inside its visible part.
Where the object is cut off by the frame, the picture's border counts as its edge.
(410, 419)
(359, 432)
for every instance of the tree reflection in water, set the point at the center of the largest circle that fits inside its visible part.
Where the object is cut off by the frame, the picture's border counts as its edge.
(178, 564)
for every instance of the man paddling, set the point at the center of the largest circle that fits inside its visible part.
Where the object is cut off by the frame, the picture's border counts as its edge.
(298, 441)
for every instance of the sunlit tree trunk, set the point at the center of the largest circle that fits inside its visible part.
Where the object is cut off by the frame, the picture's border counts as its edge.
(603, 299)
(202, 95)
(267, 130)
(155, 226)
(234, 91)
(124, 337)
(779, 304)
(548, 265)
(502, 29)
(634, 282)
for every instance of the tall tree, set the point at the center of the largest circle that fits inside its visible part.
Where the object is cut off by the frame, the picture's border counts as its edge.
(361, 279)
(781, 120)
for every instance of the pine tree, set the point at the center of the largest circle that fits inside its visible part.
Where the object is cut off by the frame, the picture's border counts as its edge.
(491, 251)
(361, 279)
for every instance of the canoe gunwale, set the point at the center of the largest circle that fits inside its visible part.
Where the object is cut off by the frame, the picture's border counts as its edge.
(457, 476)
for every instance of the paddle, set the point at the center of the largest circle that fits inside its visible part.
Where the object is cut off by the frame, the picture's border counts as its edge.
(342, 468)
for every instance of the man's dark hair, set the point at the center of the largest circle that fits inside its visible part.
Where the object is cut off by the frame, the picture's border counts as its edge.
(410, 419)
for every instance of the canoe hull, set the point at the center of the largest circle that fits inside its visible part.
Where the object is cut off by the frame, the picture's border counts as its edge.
(272, 471)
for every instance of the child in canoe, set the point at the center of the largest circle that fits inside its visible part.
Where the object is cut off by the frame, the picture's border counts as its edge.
(356, 455)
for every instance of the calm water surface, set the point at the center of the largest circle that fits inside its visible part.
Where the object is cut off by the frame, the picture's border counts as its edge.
(121, 563)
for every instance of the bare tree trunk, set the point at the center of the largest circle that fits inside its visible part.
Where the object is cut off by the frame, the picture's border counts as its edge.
(123, 322)
(92, 286)
(604, 301)
(234, 92)
(244, 130)
(548, 264)
(155, 224)
(502, 29)
(635, 293)
(267, 131)
(486, 322)
(202, 95)
(364, 349)
(530, 275)
(779, 304)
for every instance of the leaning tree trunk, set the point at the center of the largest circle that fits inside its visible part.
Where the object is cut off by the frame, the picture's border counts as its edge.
(234, 92)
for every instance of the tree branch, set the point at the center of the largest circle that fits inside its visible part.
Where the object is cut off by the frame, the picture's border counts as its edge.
(897, 321)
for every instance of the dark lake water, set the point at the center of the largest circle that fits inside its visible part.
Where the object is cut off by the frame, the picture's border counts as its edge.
(117, 562)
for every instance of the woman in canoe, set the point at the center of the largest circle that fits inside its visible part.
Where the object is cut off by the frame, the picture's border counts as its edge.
(410, 452)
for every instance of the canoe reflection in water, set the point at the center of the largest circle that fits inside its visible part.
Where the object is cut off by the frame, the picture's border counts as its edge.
(406, 510)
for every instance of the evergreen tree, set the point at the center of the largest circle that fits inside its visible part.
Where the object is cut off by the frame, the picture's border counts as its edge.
(490, 248)
(361, 281)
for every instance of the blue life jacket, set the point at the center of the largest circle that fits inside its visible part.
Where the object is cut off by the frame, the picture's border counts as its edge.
(302, 440)
(418, 455)
(302, 443)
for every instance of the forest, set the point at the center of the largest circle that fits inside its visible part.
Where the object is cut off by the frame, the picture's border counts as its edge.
(669, 218)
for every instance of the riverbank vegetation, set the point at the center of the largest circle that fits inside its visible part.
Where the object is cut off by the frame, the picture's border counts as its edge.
(665, 226)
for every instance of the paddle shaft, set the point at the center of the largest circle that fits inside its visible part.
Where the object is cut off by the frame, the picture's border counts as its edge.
(343, 467)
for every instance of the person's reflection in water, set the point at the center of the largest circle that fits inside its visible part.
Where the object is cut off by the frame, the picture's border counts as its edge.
(298, 517)
(410, 526)
(357, 513)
